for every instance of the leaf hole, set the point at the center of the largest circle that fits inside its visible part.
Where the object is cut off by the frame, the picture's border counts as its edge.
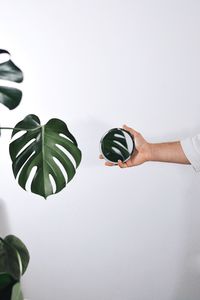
(18, 135)
(26, 146)
(53, 183)
(119, 135)
(66, 137)
(61, 168)
(8, 83)
(116, 150)
(121, 145)
(67, 154)
(128, 140)
(4, 57)
(24, 165)
(30, 178)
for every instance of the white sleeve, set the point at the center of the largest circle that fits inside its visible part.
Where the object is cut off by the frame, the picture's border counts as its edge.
(191, 148)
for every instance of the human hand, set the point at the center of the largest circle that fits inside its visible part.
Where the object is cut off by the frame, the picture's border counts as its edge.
(141, 153)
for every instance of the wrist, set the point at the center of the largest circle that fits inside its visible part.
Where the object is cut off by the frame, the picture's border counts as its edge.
(150, 153)
(147, 150)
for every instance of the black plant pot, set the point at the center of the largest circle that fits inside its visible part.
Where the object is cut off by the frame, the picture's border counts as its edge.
(5, 294)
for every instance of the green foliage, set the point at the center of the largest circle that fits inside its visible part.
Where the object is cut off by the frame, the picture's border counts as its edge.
(114, 145)
(16, 292)
(14, 258)
(9, 96)
(39, 146)
(21, 249)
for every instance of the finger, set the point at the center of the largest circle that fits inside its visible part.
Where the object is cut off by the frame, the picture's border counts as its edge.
(121, 164)
(129, 163)
(109, 164)
(131, 130)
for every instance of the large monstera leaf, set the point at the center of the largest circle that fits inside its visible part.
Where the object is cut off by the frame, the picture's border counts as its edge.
(44, 147)
(14, 259)
(10, 96)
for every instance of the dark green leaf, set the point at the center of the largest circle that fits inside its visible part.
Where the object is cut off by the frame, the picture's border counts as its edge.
(44, 142)
(9, 262)
(16, 243)
(10, 97)
(16, 292)
(14, 257)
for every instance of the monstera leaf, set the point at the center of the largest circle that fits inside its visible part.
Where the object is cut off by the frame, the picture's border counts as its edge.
(16, 292)
(10, 96)
(44, 147)
(114, 145)
(14, 259)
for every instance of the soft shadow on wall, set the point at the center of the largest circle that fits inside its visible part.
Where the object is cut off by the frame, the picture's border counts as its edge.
(4, 220)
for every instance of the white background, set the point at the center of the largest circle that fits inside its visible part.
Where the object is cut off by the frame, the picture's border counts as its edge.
(112, 234)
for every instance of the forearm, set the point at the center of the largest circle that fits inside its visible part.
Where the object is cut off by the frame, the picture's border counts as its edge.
(167, 152)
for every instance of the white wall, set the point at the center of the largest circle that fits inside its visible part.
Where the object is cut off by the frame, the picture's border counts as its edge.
(112, 234)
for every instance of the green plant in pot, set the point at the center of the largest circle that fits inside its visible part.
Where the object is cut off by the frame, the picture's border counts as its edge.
(45, 147)
(14, 259)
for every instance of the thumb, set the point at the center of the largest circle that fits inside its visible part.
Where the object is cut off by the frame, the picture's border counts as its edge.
(131, 130)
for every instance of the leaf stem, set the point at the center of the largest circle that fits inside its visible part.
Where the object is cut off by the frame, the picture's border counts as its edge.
(17, 128)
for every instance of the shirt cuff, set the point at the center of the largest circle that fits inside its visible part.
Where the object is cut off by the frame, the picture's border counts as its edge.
(191, 148)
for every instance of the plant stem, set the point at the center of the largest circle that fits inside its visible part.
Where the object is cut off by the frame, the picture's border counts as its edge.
(10, 128)
(17, 128)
